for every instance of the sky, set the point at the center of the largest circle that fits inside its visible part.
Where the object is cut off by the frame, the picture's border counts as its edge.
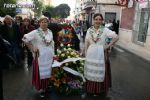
(70, 3)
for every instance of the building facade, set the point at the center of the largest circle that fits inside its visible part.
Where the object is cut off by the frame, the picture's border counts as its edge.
(134, 17)
(135, 25)
(108, 8)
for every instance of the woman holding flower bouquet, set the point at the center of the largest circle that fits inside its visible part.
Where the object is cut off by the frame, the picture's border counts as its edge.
(97, 66)
(40, 42)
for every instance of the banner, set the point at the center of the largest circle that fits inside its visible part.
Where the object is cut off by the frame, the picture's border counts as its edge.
(58, 64)
(143, 3)
(122, 2)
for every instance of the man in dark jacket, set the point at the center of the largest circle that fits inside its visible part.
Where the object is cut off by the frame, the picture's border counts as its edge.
(11, 32)
(3, 63)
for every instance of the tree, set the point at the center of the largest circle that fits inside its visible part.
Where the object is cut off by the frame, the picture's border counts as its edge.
(49, 11)
(61, 11)
(5, 10)
(38, 8)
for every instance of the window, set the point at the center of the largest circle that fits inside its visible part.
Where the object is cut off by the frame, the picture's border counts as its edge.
(143, 25)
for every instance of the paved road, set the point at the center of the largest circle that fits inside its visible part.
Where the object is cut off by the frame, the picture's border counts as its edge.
(130, 76)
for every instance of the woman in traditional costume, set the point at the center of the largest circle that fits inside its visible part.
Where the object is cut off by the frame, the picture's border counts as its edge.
(40, 42)
(97, 65)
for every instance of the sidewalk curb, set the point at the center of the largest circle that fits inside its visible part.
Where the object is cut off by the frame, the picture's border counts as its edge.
(135, 52)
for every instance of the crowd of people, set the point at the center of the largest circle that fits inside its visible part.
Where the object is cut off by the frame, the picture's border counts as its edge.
(40, 39)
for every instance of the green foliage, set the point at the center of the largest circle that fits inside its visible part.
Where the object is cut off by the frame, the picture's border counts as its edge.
(61, 11)
(48, 11)
(38, 7)
(7, 11)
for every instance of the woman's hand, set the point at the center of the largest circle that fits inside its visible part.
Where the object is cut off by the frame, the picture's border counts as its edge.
(35, 51)
(108, 46)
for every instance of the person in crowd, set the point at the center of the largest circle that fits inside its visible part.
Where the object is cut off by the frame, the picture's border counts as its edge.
(55, 28)
(35, 23)
(40, 42)
(84, 28)
(97, 65)
(117, 27)
(75, 39)
(4, 62)
(18, 20)
(11, 33)
(1, 23)
(3, 51)
(109, 24)
(114, 25)
(26, 28)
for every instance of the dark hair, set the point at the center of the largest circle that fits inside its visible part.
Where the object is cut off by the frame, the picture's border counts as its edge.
(97, 14)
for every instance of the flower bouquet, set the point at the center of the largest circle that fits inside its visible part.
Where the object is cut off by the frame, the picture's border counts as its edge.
(65, 35)
(63, 78)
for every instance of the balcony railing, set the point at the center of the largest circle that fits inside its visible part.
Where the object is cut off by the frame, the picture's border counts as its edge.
(89, 4)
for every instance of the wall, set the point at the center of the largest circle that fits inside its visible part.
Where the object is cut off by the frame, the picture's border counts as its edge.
(107, 1)
(147, 44)
(127, 18)
(125, 36)
(110, 8)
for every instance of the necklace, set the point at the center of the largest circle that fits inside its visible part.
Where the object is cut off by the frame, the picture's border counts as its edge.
(44, 36)
(99, 33)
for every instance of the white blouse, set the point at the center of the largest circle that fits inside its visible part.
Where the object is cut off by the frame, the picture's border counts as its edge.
(36, 40)
(98, 37)
(44, 42)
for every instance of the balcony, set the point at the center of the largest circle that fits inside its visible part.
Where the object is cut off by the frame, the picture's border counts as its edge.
(88, 5)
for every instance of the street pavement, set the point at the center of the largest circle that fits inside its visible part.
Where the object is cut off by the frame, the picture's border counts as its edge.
(130, 80)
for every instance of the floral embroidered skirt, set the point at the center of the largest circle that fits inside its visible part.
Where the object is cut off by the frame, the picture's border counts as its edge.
(99, 87)
(39, 84)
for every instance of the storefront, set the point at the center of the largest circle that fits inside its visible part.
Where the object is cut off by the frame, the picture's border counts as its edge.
(135, 24)
(141, 24)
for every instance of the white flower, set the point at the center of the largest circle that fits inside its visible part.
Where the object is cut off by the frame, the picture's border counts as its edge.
(82, 63)
(66, 64)
(77, 56)
(58, 51)
(74, 62)
(65, 49)
(69, 48)
(61, 45)
(62, 55)
(72, 53)
(67, 52)
(68, 45)
(68, 56)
